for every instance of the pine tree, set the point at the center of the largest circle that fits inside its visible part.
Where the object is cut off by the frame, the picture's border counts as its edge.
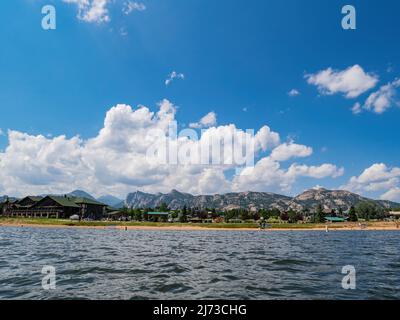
(183, 215)
(352, 214)
(320, 214)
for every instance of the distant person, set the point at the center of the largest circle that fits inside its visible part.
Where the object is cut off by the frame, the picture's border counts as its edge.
(262, 224)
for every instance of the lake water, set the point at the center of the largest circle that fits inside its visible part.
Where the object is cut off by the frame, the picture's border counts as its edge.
(117, 264)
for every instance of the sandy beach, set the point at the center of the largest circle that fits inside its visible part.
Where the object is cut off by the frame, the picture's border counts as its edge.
(370, 226)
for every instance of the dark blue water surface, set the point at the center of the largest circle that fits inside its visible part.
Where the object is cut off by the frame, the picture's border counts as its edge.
(117, 264)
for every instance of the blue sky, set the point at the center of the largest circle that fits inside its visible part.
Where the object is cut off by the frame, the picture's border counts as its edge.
(235, 56)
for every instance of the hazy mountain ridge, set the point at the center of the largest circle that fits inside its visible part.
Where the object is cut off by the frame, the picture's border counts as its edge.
(106, 199)
(81, 194)
(329, 199)
(5, 197)
(334, 199)
(111, 201)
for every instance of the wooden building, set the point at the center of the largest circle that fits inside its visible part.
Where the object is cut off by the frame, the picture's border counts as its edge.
(156, 216)
(28, 201)
(91, 209)
(61, 207)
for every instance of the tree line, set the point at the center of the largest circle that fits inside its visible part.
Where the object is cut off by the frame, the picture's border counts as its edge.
(366, 210)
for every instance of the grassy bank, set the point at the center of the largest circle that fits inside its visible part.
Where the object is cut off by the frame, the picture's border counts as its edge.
(60, 222)
(69, 223)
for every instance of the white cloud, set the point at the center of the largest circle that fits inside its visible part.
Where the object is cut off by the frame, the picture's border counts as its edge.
(92, 10)
(384, 98)
(293, 93)
(357, 108)
(172, 76)
(318, 172)
(290, 150)
(130, 6)
(1, 132)
(392, 195)
(351, 82)
(377, 178)
(269, 175)
(209, 120)
(115, 161)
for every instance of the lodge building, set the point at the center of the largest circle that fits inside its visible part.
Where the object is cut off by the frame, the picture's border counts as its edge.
(62, 207)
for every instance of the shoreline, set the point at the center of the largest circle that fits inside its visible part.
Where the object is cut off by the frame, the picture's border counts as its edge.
(378, 226)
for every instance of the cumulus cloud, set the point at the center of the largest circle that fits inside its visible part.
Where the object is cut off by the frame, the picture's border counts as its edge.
(268, 174)
(117, 161)
(92, 10)
(384, 98)
(392, 195)
(351, 82)
(290, 150)
(317, 172)
(293, 93)
(357, 108)
(130, 6)
(377, 178)
(209, 120)
(172, 76)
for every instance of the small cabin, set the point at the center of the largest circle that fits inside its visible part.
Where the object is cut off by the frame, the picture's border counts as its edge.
(157, 216)
(335, 219)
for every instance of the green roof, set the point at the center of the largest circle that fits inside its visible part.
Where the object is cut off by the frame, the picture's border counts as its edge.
(335, 219)
(68, 201)
(34, 198)
(158, 213)
(86, 201)
(64, 201)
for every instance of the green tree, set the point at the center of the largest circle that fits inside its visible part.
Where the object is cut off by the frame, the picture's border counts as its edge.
(174, 215)
(370, 210)
(183, 215)
(244, 214)
(230, 215)
(352, 214)
(163, 207)
(293, 216)
(305, 212)
(265, 214)
(275, 212)
(319, 214)
(137, 215)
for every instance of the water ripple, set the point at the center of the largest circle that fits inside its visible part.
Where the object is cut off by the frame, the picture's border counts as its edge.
(140, 265)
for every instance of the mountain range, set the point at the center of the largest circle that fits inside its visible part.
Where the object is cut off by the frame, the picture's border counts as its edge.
(106, 199)
(329, 199)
